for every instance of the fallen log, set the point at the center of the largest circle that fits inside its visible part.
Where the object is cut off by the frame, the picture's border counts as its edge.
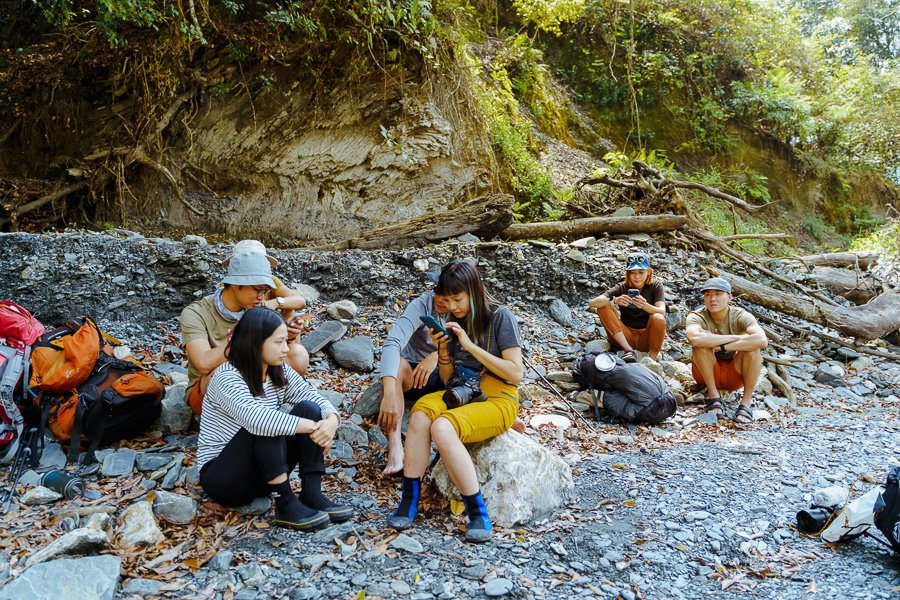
(485, 217)
(841, 259)
(828, 338)
(579, 228)
(876, 319)
(852, 285)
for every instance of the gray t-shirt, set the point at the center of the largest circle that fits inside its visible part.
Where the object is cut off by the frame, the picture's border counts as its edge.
(409, 337)
(504, 335)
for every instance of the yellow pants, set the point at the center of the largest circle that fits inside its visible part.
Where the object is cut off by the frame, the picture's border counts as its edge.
(476, 421)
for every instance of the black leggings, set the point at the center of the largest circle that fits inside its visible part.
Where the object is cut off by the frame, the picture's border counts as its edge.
(240, 472)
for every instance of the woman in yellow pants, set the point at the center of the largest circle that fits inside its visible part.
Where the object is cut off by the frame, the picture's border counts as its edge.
(481, 369)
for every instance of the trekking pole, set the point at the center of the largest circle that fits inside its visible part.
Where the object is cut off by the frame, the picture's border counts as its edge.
(18, 465)
(549, 386)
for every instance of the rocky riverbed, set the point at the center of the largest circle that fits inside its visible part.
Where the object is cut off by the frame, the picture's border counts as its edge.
(685, 509)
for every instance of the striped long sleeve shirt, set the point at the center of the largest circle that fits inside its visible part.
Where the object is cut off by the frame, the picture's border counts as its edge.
(228, 407)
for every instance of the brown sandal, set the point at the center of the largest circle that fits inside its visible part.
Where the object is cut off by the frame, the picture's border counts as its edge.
(742, 411)
(713, 404)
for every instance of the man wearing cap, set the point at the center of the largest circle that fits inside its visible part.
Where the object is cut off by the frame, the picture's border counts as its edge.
(206, 324)
(284, 300)
(641, 302)
(726, 343)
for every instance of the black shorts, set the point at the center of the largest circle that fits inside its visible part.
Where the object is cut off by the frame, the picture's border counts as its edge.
(434, 384)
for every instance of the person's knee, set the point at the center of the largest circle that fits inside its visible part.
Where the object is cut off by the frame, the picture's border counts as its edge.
(656, 321)
(307, 410)
(704, 355)
(442, 431)
(419, 421)
(298, 358)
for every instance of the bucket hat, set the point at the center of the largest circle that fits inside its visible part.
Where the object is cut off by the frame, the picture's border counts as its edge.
(718, 284)
(250, 246)
(249, 268)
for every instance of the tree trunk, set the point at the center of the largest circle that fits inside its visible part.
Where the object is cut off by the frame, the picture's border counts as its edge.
(579, 228)
(853, 286)
(841, 259)
(868, 322)
(485, 217)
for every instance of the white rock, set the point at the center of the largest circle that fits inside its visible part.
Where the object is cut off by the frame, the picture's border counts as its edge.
(830, 496)
(40, 495)
(653, 366)
(77, 541)
(677, 370)
(521, 480)
(139, 526)
(863, 362)
(342, 309)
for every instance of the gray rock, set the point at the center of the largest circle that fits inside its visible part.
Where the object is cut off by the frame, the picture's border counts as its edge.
(322, 336)
(677, 370)
(141, 587)
(314, 559)
(468, 237)
(576, 256)
(356, 354)
(520, 480)
(830, 496)
(475, 572)
(53, 456)
(336, 398)
(305, 593)
(174, 508)
(309, 293)
(194, 239)
(176, 413)
(151, 461)
(119, 463)
(369, 403)
(675, 321)
(596, 346)
(139, 526)
(498, 587)
(404, 542)
(342, 309)
(377, 437)
(561, 313)
(561, 376)
(340, 449)
(379, 590)
(30, 479)
(77, 541)
(171, 476)
(829, 377)
(400, 587)
(653, 366)
(353, 434)
(708, 418)
(258, 506)
(625, 211)
(91, 578)
(584, 243)
(341, 531)
(221, 562)
(40, 495)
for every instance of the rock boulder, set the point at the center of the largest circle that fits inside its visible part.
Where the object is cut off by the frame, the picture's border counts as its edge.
(521, 480)
(92, 578)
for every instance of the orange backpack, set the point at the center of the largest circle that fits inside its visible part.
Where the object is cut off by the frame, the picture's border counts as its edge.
(88, 397)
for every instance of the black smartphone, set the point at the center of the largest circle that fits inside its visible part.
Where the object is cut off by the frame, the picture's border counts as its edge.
(432, 324)
(633, 293)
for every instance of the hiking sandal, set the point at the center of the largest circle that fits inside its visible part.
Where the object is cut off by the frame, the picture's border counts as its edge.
(715, 404)
(742, 411)
(629, 356)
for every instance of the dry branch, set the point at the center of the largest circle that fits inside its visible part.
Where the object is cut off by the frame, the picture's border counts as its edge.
(848, 284)
(485, 217)
(876, 319)
(578, 228)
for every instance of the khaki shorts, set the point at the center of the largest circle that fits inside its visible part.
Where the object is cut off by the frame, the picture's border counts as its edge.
(479, 420)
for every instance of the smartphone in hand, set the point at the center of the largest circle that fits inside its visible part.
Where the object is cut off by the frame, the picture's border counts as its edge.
(632, 293)
(432, 324)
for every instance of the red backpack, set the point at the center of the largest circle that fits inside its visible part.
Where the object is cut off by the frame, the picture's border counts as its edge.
(18, 331)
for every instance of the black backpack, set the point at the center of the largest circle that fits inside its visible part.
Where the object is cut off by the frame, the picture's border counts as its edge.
(887, 520)
(632, 392)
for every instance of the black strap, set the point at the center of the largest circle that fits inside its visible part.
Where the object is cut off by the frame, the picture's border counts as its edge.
(107, 399)
(77, 424)
(596, 402)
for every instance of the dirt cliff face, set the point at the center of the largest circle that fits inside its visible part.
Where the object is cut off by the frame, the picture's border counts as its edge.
(286, 163)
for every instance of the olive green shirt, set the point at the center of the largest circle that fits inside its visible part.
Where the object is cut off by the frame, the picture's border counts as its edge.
(737, 321)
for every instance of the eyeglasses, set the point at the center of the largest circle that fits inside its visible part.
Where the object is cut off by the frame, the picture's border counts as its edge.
(260, 291)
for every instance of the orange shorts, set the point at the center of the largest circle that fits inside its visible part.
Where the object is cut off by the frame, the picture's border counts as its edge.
(196, 399)
(726, 375)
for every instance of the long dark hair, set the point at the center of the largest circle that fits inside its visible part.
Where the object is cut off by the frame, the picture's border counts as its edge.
(244, 349)
(459, 276)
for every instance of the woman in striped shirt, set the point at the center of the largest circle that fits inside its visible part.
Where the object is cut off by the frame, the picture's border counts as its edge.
(247, 446)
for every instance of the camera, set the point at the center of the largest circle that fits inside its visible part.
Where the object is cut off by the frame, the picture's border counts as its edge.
(463, 387)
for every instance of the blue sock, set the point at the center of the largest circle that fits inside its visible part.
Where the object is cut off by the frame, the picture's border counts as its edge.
(409, 498)
(478, 514)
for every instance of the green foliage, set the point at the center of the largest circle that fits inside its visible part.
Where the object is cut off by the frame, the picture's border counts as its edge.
(548, 15)
(722, 221)
(817, 228)
(885, 239)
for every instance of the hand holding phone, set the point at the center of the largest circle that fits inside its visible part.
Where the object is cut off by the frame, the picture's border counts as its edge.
(632, 293)
(432, 324)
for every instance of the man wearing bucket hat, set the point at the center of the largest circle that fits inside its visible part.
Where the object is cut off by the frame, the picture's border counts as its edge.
(641, 302)
(284, 300)
(726, 343)
(206, 324)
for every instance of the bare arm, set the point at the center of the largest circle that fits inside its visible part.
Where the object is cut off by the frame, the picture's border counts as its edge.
(204, 357)
(754, 339)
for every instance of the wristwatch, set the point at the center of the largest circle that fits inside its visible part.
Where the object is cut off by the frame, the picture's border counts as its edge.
(280, 302)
